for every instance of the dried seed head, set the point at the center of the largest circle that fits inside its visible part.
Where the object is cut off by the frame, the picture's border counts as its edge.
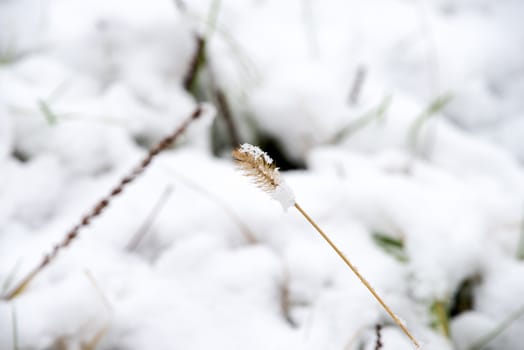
(258, 165)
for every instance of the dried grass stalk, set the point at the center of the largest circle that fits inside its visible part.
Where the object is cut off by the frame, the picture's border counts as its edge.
(259, 166)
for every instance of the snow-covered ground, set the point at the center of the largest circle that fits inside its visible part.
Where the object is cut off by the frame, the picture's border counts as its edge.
(404, 120)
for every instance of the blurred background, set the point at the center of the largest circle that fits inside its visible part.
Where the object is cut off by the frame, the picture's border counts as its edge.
(397, 123)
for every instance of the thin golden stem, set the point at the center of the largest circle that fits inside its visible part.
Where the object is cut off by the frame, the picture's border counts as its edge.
(360, 277)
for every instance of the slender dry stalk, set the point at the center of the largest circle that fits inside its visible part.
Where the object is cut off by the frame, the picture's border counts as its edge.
(144, 229)
(358, 82)
(95, 340)
(351, 344)
(285, 298)
(93, 343)
(378, 333)
(359, 275)
(520, 247)
(100, 293)
(196, 63)
(225, 111)
(257, 165)
(249, 236)
(501, 327)
(440, 312)
(101, 205)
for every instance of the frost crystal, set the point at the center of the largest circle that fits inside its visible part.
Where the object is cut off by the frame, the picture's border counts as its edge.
(256, 152)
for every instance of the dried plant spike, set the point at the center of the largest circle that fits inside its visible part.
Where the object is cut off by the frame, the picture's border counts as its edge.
(102, 204)
(259, 166)
(378, 332)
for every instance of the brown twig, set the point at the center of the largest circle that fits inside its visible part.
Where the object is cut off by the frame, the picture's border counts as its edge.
(103, 203)
(200, 61)
(378, 332)
(225, 112)
(197, 62)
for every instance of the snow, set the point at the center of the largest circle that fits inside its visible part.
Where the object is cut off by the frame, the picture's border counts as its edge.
(87, 87)
(255, 152)
(284, 195)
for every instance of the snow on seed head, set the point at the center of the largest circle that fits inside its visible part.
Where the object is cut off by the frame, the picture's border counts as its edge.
(256, 152)
(258, 165)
